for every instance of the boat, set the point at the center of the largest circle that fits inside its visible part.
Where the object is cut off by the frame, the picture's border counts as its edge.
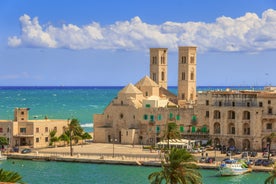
(233, 167)
(2, 157)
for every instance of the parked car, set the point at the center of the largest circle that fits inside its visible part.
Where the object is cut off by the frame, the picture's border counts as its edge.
(26, 150)
(268, 162)
(259, 162)
(253, 153)
(210, 160)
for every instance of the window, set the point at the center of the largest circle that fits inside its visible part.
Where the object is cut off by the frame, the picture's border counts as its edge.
(46, 129)
(1, 130)
(37, 140)
(154, 60)
(178, 117)
(207, 102)
(46, 139)
(37, 130)
(269, 110)
(121, 116)
(231, 115)
(246, 115)
(122, 102)
(216, 114)
(145, 117)
(207, 114)
(148, 105)
(162, 76)
(183, 59)
(248, 104)
(269, 126)
(22, 112)
(171, 115)
(159, 117)
(147, 94)
(269, 102)
(151, 117)
(260, 104)
(233, 104)
(192, 59)
(192, 75)
(22, 130)
(183, 76)
(157, 129)
(181, 128)
(55, 128)
(154, 77)
(182, 96)
(220, 103)
(126, 133)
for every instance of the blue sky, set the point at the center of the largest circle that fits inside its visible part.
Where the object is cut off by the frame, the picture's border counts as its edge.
(106, 43)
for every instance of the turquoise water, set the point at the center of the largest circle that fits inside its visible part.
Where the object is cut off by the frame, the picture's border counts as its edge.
(82, 103)
(68, 102)
(39, 172)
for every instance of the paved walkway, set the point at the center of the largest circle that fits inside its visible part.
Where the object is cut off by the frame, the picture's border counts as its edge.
(117, 154)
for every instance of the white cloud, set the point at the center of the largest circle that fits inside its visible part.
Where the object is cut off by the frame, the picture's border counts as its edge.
(248, 33)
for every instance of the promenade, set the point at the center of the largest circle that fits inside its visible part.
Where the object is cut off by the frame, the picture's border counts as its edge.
(117, 154)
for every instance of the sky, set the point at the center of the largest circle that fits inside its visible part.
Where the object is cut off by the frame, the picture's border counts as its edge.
(106, 43)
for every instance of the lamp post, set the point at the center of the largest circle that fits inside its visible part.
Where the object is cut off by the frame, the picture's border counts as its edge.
(113, 141)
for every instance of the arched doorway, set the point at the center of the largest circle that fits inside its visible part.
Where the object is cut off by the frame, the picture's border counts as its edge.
(216, 142)
(246, 144)
(231, 142)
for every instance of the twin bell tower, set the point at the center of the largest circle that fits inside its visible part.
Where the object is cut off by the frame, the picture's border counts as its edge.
(186, 72)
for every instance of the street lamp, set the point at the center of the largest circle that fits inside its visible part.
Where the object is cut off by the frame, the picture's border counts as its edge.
(113, 141)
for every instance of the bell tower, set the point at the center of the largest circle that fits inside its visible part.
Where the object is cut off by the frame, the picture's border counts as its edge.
(158, 66)
(186, 75)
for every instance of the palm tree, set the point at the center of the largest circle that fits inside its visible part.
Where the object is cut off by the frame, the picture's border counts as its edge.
(75, 132)
(177, 168)
(64, 137)
(53, 137)
(272, 177)
(85, 136)
(171, 132)
(10, 177)
(269, 139)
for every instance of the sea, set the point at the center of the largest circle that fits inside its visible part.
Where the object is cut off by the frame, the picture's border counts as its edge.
(67, 102)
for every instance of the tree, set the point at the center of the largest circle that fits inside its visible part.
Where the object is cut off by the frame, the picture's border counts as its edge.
(10, 177)
(53, 137)
(64, 137)
(172, 132)
(269, 139)
(85, 136)
(272, 177)
(177, 168)
(75, 132)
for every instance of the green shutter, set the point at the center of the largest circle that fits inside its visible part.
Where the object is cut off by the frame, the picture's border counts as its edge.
(177, 117)
(157, 129)
(152, 117)
(159, 117)
(171, 115)
(148, 105)
(181, 128)
(145, 117)
(193, 129)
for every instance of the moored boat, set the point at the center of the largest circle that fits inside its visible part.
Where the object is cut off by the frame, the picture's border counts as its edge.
(233, 167)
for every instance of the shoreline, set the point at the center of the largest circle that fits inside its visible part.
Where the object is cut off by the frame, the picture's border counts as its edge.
(117, 154)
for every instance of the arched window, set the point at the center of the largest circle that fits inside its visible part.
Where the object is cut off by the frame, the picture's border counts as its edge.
(216, 114)
(162, 76)
(231, 128)
(183, 76)
(217, 128)
(192, 75)
(246, 129)
(231, 114)
(246, 115)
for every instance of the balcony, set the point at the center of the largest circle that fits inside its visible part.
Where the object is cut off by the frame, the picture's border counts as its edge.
(269, 116)
(24, 135)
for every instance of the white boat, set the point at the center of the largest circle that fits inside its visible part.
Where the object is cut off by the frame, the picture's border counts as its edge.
(233, 167)
(2, 157)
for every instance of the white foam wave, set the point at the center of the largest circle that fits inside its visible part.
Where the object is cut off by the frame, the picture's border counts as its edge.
(89, 125)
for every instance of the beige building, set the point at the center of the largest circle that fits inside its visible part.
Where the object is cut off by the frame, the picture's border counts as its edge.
(140, 113)
(32, 133)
